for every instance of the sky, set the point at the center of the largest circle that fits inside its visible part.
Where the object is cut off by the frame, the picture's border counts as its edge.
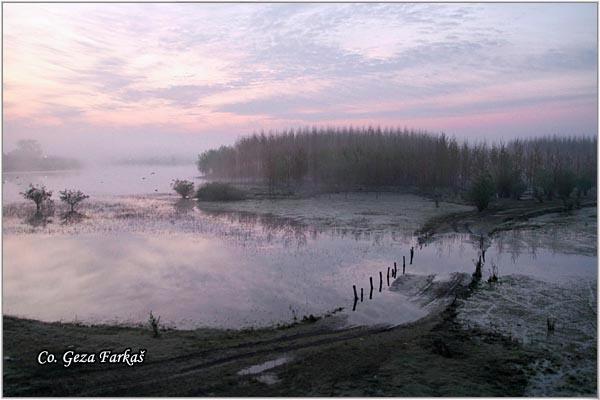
(139, 79)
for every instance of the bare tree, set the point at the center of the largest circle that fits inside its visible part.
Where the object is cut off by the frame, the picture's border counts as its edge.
(37, 194)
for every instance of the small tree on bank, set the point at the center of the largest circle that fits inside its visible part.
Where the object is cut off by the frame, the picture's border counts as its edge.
(543, 185)
(184, 188)
(72, 197)
(481, 191)
(37, 194)
(584, 184)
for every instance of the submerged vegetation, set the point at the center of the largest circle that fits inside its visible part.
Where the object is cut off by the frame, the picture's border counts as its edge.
(347, 158)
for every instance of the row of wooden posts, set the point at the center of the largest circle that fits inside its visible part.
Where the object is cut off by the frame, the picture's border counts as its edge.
(394, 274)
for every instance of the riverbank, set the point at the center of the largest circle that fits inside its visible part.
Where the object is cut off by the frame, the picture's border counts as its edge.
(434, 356)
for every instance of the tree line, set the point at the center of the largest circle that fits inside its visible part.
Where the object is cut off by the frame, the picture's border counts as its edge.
(345, 158)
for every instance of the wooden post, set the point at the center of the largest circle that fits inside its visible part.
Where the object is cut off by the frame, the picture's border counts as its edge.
(478, 266)
(403, 265)
(355, 295)
(412, 254)
(395, 269)
(361, 295)
(371, 292)
(388, 276)
(380, 281)
(354, 306)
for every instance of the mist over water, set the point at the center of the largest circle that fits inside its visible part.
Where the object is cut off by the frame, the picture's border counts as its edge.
(101, 180)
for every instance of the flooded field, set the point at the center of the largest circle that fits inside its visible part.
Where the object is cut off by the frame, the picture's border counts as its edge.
(200, 267)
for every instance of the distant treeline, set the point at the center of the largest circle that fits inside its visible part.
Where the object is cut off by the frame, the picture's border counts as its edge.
(28, 156)
(344, 158)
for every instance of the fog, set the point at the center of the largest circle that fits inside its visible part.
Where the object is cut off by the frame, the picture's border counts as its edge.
(100, 147)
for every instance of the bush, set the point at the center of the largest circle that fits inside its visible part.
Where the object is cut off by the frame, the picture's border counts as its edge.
(584, 184)
(154, 324)
(72, 197)
(216, 191)
(184, 188)
(38, 194)
(543, 185)
(481, 192)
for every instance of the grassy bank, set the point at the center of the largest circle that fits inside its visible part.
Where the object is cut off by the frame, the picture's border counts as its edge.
(500, 216)
(431, 357)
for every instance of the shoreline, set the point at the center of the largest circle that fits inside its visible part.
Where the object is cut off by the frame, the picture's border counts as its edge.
(218, 356)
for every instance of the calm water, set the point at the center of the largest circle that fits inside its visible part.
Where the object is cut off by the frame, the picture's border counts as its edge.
(194, 280)
(236, 271)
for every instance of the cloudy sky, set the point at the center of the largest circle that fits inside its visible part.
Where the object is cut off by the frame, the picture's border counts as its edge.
(174, 77)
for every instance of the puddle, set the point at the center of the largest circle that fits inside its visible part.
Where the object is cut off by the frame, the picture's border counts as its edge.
(268, 379)
(258, 368)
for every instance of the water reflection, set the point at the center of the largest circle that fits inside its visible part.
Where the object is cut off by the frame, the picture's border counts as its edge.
(298, 233)
(119, 260)
(38, 220)
(195, 280)
(72, 217)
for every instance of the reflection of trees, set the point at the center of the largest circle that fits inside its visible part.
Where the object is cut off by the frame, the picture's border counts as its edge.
(289, 229)
(72, 217)
(517, 242)
(38, 220)
(295, 231)
(41, 217)
(520, 241)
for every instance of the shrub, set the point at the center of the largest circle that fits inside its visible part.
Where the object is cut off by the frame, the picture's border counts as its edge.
(216, 191)
(584, 184)
(481, 191)
(72, 197)
(37, 194)
(184, 188)
(543, 184)
(154, 324)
